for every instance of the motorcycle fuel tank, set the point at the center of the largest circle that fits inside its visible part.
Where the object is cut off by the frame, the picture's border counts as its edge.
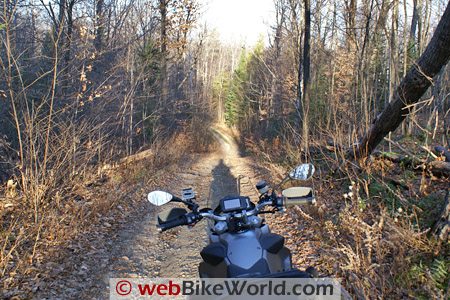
(249, 253)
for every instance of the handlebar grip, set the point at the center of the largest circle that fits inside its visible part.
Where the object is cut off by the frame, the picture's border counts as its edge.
(183, 220)
(299, 201)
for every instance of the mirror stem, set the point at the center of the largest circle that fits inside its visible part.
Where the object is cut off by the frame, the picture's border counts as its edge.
(285, 179)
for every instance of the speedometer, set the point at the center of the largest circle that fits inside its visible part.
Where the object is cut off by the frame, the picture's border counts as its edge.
(234, 203)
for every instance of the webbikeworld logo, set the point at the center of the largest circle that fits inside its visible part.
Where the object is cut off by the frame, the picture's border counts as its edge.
(229, 288)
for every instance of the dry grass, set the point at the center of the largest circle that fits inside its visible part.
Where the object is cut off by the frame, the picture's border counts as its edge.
(56, 212)
(372, 223)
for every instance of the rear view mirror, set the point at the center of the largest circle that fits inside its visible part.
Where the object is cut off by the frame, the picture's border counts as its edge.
(159, 198)
(170, 214)
(302, 172)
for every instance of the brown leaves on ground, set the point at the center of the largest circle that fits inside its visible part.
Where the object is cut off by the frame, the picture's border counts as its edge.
(75, 224)
(371, 226)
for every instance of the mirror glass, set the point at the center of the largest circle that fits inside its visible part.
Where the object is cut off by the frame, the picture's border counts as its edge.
(159, 198)
(170, 214)
(302, 172)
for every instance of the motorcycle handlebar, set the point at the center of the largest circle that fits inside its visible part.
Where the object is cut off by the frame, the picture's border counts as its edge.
(190, 218)
(183, 220)
(286, 202)
(255, 211)
(212, 216)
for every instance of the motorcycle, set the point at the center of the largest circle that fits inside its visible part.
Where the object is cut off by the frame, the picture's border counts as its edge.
(240, 242)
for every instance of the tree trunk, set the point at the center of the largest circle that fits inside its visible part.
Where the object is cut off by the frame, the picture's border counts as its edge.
(350, 23)
(405, 52)
(59, 27)
(414, 22)
(411, 53)
(163, 40)
(98, 42)
(412, 87)
(440, 167)
(277, 88)
(296, 29)
(67, 55)
(393, 52)
(306, 74)
(393, 55)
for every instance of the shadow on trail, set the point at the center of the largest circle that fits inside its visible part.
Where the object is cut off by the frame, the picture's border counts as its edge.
(223, 184)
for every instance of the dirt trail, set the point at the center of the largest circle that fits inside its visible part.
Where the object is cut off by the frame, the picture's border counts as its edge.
(143, 251)
(139, 250)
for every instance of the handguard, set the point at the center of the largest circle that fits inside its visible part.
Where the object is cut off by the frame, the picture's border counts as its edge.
(298, 196)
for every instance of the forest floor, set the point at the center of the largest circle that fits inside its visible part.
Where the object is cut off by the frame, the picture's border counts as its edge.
(376, 241)
(132, 246)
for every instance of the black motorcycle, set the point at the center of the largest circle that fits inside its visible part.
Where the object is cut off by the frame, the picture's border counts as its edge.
(240, 243)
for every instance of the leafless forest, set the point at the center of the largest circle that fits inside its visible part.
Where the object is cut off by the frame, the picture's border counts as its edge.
(359, 88)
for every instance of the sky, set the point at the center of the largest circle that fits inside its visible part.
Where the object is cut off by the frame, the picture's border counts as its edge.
(239, 20)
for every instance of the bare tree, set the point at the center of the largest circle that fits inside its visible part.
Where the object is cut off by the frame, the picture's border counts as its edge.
(306, 74)
(100, 25)
(277, 105)
(164, 52)
(412, 87)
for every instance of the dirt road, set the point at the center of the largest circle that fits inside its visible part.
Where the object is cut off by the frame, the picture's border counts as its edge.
(175, 253)
(139, 250)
